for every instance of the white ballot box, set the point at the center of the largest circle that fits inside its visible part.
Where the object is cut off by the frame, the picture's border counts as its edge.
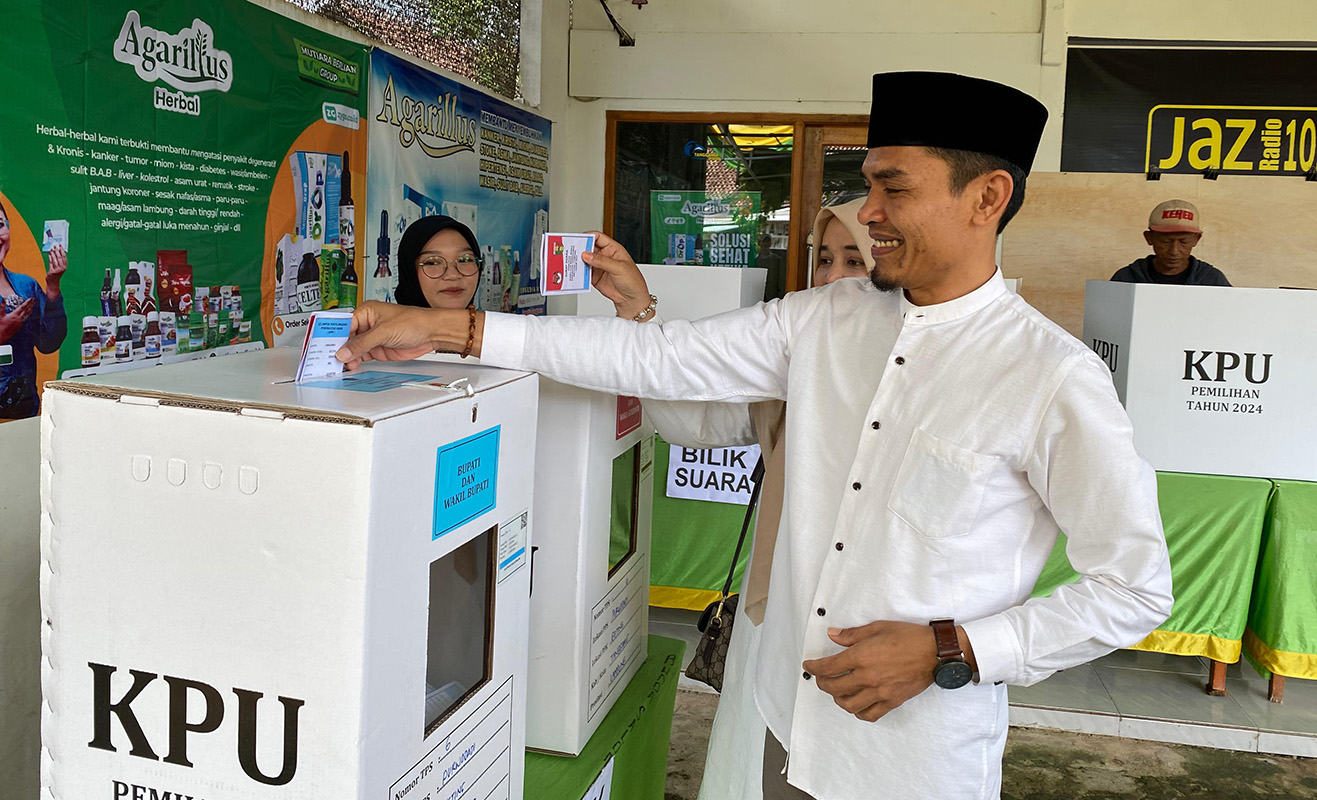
(594, 492)
(688, 292)
(261, 589)
(1216, 380)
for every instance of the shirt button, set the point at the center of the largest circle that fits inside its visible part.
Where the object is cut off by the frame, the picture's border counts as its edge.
(875, 425)
(822, 611)
(856, 486)
(900, 360)
(841, 546)
(807, 675)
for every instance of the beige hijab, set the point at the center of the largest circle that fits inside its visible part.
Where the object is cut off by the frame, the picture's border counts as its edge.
(847, 214)
(769, 421)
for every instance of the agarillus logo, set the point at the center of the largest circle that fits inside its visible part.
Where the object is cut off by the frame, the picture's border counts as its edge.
(708, 208)
(185, 60)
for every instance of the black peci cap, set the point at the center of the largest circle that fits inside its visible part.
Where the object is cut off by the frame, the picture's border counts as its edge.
(956, 112)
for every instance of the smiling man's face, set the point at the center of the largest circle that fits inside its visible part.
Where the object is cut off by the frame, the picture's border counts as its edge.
(920, 229)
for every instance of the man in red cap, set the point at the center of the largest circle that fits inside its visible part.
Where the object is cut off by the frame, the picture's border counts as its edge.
(940, 433)
(1174, 229)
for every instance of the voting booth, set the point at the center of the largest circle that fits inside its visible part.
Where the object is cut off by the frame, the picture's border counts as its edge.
(594, 491)
(688, 292)
(1216, 380)
(258, 588)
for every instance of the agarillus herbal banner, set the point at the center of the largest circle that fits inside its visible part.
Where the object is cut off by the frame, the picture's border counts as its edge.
(439, 147)
(152, 157)
(697, 227)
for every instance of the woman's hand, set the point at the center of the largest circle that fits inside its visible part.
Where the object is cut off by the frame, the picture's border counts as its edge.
(614, 273)
(59, 261)
(11, 323)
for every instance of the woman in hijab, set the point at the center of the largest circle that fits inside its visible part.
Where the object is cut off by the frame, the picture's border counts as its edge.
(439, 264)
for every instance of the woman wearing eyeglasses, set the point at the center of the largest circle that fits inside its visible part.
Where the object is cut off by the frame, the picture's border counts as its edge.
(439, 260)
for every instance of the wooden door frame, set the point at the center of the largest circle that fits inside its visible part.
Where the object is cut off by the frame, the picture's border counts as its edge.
(804, 126)
(816, 140)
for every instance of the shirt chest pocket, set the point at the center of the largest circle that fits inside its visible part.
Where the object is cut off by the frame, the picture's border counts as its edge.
(939, 489)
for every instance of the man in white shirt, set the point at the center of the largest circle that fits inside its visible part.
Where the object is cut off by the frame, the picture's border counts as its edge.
(938, 437)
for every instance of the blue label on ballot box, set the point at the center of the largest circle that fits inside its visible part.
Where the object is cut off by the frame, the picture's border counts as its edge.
(368, 381)
(466, 481)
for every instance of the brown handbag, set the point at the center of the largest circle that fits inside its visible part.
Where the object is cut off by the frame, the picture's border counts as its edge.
(710, 659)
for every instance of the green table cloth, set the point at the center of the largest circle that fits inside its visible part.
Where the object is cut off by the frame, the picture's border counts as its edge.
(635, 733)
(691, 545)
(1282, 617)
(1213, 530)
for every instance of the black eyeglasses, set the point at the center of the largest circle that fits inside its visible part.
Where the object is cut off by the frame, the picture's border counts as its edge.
(436, 267)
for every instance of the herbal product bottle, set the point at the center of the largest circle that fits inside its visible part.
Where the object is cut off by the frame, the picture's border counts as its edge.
(123, 340)
(91, 342)
(347, 286)
(308, 284)
(105, 296)
(152, 335)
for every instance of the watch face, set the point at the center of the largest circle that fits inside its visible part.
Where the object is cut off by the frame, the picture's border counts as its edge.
(952, 674)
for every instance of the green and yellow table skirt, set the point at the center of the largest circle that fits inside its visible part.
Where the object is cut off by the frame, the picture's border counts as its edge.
(1243, 562)
(1282, 617)
(635, 734)
(691, 545)
(1213, 530)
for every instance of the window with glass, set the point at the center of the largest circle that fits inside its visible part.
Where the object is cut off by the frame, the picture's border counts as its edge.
(624, 508)
(732, 190)
(460, 639)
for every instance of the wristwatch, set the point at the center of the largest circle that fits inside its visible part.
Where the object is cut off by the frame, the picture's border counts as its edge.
(952, 670)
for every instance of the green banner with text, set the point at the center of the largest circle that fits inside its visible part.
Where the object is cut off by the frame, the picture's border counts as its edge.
(696, 227)
(154, 157)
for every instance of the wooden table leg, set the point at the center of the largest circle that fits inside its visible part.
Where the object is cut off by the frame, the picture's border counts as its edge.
(1216, 682)
(1276, 688)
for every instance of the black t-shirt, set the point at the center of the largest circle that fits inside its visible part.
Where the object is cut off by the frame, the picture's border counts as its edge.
(1199, 273)
(1180, 278)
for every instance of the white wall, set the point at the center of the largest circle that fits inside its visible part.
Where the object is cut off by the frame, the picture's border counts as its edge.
(1196, 20)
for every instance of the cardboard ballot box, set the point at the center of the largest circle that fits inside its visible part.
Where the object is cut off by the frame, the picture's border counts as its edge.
(259, 589)
(1216, 380)
(594, 493)
(688, 292)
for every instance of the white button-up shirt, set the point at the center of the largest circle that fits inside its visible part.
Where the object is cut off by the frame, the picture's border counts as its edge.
(942, 447)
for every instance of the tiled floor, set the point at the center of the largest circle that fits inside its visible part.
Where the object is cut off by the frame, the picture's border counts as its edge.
(1158, 697)
(1135, 695)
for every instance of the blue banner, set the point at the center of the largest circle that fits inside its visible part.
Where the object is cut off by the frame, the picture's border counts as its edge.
(439, 147)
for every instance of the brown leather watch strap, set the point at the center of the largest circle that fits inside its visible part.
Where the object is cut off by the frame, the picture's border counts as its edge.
(944, 633)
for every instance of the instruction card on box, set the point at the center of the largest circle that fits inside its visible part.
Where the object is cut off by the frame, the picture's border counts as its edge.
(564, 271)
(512, 538)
